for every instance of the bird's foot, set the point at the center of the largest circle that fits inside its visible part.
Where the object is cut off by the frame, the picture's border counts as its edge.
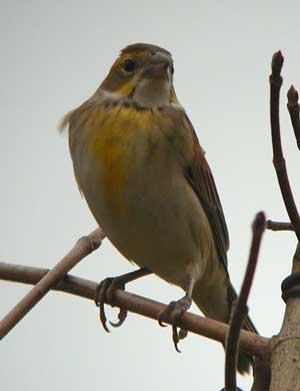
(105, 293)
(174, 312)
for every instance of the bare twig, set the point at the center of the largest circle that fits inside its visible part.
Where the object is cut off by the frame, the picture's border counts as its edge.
(279, 226)
(261, 374)
(278, 159)
(240, 308)
(293, 107)
(82, 248)
(251, 343)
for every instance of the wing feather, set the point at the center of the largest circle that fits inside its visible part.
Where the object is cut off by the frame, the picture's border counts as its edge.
(200, 177)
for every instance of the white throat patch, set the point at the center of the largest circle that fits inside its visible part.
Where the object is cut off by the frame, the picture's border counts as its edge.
(152, 93)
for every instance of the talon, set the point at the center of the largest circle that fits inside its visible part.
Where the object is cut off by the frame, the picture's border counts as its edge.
(105, 292)
(159, 318)
(100, 299)
(166, 313)
(161, 323)
(102, 317)
(174, 312)
(175, 338)
(182, 333)
(122, 315)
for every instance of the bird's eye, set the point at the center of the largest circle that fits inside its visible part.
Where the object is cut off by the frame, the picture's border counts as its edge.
(129, 66)
(172, 69)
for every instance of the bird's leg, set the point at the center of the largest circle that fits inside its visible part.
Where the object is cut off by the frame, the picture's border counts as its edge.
(105, 292)
(176, 309)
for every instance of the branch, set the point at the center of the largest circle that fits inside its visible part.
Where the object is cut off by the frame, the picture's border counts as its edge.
(261, 374)
(285, 347)
(278, 159)
(279, 226)
(293, 107)
(81, 249)
(251, 343)
(240, 309)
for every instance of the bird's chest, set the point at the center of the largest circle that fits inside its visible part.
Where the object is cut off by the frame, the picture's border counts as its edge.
(127, 167)
(132, 176)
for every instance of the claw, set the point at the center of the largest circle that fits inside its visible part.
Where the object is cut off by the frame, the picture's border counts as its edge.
(175, 338)
(99, 301)
(166, 312)
(174, 311)
(105, 291)
(102, 317)
(160, 321)
(122, 315)
(183, 333)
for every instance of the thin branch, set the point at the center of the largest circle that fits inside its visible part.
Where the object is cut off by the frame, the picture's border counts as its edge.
(251, 343)
(279, 226)
(261, 374)
(240, 309)
(293, 107)
(82, 248)
(278, 159)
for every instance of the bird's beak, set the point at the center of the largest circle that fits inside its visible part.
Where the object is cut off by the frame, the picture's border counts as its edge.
(154, 85)
(156, 71)
(159, 67)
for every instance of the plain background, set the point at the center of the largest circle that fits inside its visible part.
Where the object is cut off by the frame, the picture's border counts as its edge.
(53, 56)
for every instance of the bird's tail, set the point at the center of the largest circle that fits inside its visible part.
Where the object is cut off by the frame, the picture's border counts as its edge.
(245, 360)
(216, 302)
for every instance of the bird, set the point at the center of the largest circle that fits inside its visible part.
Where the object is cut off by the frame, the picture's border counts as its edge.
(138, 162)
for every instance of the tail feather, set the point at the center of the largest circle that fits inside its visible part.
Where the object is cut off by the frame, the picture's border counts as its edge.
(245, 360)
(215, 301)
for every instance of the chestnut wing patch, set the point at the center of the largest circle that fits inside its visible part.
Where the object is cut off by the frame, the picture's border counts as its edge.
(200, 177)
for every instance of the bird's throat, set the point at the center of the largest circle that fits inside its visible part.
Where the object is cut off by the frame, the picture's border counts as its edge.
(152, 93)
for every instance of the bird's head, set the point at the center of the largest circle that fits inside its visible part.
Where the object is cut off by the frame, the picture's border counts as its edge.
(142, 74)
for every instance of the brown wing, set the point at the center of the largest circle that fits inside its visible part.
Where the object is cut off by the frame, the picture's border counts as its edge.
(200, 177)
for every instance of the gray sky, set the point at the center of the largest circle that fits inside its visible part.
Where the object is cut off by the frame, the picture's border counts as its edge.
(53, 56)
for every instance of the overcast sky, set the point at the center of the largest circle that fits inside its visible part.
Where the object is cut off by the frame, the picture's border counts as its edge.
(53, 56)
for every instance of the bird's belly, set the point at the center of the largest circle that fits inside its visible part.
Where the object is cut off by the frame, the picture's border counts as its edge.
(154, 220)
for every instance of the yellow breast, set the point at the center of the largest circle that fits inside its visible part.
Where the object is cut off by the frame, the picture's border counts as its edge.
(130, 167)
(105, 143)
(114, 148)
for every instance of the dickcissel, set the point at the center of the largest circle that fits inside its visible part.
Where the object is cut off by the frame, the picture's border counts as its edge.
(144, 175)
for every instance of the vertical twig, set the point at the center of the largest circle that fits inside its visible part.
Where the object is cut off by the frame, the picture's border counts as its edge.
(278, 159)
(240, 308)
(262, 374)
(293, 108)
(284, 349)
